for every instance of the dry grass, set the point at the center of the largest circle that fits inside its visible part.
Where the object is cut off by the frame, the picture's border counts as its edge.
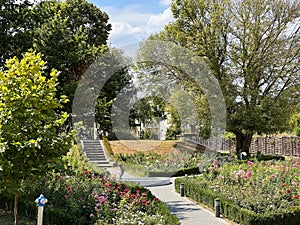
(154, 146)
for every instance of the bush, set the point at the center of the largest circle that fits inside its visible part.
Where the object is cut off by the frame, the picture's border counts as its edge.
(87, 199)
(252, 193)
(107, 147)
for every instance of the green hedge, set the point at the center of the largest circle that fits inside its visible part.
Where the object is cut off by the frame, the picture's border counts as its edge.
(107, 147)
(141, 171)
(233, 211)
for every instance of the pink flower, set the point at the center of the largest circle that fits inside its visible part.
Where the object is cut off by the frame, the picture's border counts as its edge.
(215, 163)
(92, 215)
(220, 177)
(248, 173)
(294, 183)
(294, 165)
(114, 210)
(199, 164)
(250, 163)
(272, 177)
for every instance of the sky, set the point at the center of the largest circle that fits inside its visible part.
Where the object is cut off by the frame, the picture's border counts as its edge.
(134, 20)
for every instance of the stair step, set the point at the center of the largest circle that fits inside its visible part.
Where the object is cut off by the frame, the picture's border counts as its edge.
(95, 153)
(96, 158)
(100, 161)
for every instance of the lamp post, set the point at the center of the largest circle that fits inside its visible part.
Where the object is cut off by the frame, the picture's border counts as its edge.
(41, 201)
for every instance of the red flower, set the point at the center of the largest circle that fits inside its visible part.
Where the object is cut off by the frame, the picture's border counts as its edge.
(288, 191)
(69, 189)
(297, 197)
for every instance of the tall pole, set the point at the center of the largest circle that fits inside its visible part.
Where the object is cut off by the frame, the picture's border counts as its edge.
(41, 201)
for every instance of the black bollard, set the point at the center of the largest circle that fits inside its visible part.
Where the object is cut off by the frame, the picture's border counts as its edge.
(182, 190)
(217, 207)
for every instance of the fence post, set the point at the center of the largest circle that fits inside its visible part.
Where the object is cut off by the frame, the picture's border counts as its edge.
(41, 201)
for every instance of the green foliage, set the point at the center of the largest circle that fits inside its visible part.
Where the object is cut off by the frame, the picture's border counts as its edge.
(15, 29)
(70, 35)
(85, 199)
(250, 193)
(156, 165)
(115, 77)
(32, 141)
(254, 61)
(76, 162)
(108, 147)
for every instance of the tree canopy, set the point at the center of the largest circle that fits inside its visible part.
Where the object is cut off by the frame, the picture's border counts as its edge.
(253, 49)
(31, 137)
(70, 35)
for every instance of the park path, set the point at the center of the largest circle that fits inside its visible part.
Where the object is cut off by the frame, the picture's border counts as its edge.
(186, 211)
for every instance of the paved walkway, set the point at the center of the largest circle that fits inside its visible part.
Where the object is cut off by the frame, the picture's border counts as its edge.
(186, 211)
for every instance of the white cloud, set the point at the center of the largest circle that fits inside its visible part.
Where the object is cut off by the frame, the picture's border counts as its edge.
(165, 2)
(129, 25)
(128, 15)
(123, 33)
(157, 22)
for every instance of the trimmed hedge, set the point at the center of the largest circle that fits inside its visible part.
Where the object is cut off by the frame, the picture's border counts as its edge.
(233, 211)
(107, 147)
(141, 171)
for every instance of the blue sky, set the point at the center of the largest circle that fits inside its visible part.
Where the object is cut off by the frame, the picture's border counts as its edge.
(133, 20)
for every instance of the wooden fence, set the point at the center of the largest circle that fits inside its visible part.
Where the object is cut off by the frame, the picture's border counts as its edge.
(288, 146)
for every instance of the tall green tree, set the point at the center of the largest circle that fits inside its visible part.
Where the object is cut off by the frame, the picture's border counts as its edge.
(71, 35)
(31, 136)
(253, 49)
(15, 28)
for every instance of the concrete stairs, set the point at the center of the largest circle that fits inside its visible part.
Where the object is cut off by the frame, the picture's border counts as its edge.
(94, 151)
(190, 147)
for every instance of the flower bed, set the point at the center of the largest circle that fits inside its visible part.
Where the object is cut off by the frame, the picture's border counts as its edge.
(87, 199)
(252, 192)
(155, 165)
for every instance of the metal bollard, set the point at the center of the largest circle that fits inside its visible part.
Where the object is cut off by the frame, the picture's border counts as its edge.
(182, 189)
(41, 201)
(217, 207)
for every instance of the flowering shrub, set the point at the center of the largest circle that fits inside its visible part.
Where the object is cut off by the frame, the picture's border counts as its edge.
(88, 199)
(161, 163)
(257, 186)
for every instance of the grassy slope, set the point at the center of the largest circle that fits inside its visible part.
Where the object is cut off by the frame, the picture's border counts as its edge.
(130, 147)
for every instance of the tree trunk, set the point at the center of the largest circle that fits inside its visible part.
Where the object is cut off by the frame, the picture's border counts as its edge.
(16, 208)
(243, 142)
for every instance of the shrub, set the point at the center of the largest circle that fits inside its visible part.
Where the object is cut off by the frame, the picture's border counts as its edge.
(266, 192)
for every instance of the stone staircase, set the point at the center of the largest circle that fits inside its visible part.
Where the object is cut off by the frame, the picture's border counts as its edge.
(94, 151)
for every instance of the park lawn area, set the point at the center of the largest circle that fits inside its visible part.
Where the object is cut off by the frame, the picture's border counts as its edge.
(146, 146)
